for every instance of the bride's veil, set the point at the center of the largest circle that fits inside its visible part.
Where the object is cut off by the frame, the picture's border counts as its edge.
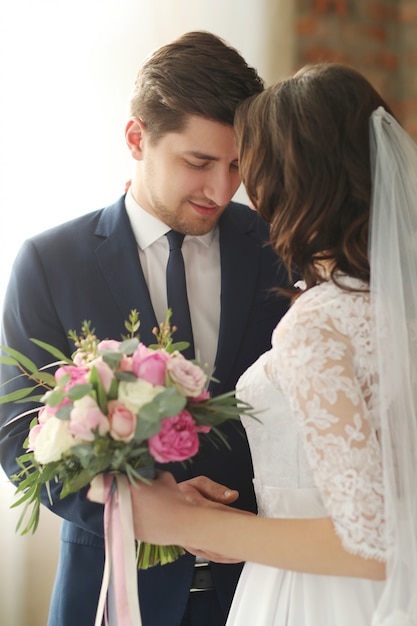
(393, 262)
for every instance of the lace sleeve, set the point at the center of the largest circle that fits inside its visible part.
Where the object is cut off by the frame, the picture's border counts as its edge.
(316, 367)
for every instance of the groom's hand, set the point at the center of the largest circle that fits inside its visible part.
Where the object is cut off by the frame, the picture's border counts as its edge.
(205, 492)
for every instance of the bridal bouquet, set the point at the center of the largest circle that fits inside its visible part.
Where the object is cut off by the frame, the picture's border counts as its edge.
(113, 410)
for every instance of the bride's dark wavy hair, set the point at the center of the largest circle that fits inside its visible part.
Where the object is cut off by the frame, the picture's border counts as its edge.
(305, 162)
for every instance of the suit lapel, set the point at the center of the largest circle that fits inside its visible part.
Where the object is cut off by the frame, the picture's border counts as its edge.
(239, 269)
(117, 256)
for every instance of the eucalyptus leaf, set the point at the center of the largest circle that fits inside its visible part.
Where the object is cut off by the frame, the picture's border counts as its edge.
(79, 391)
(64, 411)
(149, 422)
(55, 397)
(169, 403)
(111, 357)
(64, 380)
(128, 346)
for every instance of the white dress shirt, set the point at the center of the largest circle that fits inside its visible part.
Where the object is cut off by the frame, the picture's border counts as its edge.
(202, 266)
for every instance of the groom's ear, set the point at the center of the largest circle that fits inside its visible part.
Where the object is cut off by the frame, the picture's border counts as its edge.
(135, 133)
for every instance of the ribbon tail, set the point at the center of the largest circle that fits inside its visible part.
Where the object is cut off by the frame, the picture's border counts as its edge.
(119, 584)
(101, 485)
(124, 558)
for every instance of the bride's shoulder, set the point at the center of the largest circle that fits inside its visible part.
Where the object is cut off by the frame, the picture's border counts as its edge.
(328, 305)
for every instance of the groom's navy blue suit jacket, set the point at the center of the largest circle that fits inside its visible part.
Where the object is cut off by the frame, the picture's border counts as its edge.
(89, 269)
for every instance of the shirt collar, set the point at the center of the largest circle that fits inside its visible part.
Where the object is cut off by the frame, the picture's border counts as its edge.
(147, 228)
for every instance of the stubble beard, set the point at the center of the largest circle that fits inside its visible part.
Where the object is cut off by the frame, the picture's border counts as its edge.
(200, 225)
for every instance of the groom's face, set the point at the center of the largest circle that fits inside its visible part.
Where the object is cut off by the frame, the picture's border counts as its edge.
(187, 178)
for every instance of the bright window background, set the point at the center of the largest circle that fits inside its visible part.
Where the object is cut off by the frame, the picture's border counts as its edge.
(66, 72)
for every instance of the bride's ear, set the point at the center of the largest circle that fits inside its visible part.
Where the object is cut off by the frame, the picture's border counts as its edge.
(134, 135)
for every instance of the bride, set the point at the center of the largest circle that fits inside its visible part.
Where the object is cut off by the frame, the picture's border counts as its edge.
(335, 448)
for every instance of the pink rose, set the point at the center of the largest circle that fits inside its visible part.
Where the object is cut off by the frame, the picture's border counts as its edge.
(122, 421)
(188, 378)
(151, 367)
(86, 417)
(177, 439)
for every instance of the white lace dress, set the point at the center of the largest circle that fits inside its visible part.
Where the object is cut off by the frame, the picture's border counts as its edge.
(316, 454)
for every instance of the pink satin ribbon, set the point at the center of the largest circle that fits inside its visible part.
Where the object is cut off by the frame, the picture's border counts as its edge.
(120, 554)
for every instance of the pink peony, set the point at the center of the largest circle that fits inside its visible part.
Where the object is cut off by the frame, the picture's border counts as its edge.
(122, 421)
(151, 366)
(33, 435)
(109, 344)
(78, 375)
(125, 364)
(86, 417)
(177, 439)
(188, 378)
(44, 414)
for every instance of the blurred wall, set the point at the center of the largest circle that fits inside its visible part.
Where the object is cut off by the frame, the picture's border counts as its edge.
(377, 37)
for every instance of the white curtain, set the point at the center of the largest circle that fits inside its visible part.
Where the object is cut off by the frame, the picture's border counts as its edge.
(66, 71)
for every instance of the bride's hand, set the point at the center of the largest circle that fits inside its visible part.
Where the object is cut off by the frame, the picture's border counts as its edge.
(205, 492)
(158, 507)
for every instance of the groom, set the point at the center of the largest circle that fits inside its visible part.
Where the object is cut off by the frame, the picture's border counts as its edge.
(101, 265)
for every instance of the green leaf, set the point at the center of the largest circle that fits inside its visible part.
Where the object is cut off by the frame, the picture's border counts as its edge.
(20, 358)
(54, 397)
(34, 398)
(80, 480)
(52, 350)
(17, 395)
(79, 391)
(149, 422)
(179, 345)
(128, 346)
(169, 403)
(126, 376)
(46, 378)
(113, 391)
(8, 360)
(101, 396)
(64, 411)
(111, 358)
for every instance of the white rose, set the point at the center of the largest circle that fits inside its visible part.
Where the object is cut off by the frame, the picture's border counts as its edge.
(53, 440)
(136, 394)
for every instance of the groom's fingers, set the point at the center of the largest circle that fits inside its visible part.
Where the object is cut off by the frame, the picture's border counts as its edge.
(211, 556)
(200, 489)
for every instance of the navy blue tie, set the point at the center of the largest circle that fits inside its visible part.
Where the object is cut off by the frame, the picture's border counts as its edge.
(177, 293)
